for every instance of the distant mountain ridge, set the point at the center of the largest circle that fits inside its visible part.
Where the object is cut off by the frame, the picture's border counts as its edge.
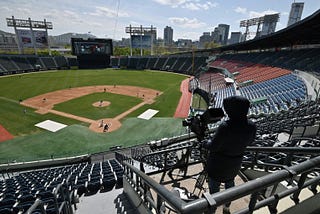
(65, 39)
(6, 33)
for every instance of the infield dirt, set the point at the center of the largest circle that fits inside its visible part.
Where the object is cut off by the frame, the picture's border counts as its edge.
(44, 103)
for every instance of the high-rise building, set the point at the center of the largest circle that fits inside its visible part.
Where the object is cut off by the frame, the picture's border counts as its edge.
(221, 34)
(168, 36)
(215, 35)
(295, 13)
(205, 38)
(235, 37)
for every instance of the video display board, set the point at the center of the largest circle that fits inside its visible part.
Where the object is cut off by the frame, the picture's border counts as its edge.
(91, 46)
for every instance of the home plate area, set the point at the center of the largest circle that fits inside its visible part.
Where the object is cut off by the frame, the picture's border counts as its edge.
(148, 114)
(50, 125)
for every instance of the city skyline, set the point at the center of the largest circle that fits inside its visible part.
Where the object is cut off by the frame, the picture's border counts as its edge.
(188, 18)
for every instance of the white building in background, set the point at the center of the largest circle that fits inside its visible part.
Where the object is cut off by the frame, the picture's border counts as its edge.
(295, 13)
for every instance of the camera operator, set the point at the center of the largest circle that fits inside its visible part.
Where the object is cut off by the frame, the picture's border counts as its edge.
(228, 143)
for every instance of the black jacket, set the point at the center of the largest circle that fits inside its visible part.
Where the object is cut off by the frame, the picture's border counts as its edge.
(228, 144)
(226, 149)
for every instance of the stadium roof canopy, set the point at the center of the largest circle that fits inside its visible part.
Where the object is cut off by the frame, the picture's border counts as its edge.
(304, 32)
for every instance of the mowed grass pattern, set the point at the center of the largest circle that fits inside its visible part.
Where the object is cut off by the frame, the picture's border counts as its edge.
(32, 143)
(77, 140)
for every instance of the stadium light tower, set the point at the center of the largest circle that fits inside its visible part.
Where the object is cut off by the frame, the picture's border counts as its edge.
(141, 37)
(30, 38)
(269, 23)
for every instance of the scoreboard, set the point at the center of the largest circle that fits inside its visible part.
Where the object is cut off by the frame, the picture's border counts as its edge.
(91, 46)
(92, 52)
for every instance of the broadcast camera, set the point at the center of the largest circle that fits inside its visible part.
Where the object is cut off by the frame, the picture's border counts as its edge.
(199, 123)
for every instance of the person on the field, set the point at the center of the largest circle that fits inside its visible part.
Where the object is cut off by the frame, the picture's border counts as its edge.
(105, 128)
(228, 143)
(101, 124)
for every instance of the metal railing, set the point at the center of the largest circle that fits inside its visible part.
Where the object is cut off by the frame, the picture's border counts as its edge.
(150, 196)
(62, 202)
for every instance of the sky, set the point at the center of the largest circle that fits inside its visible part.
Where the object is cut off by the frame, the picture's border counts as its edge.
(108, 18)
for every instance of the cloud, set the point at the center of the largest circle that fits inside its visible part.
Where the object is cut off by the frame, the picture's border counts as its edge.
(255, 14)
(134, 23)
(5, 8)
(70, 14)
(199, 6)
(188, 4)
(188, 35)
(172, 3)
(240, 10)
(186, 22)
(104, 11)
(25, 11)
(60, 17)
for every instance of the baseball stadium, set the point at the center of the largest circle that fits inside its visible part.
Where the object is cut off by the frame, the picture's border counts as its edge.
(100, 133)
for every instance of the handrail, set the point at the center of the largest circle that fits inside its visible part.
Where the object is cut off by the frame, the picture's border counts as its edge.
(35, 205)
(166, 151)
(299, 150)
(249, 188)
(296, 150)
(65, 206)
(286, 150)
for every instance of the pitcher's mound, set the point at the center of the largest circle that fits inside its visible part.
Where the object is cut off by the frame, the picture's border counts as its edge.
(101, 103)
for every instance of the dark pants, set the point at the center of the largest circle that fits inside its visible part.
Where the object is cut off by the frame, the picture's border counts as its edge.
(214, 186)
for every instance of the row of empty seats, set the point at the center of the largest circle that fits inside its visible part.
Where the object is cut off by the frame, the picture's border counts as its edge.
(212, 81)
(172, 63)
(247, 71)
(279, 93)
(13, 64)
(18, 193)
(306, 113)
(301, 59)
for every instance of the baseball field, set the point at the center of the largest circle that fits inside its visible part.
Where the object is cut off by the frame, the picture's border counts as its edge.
(81, 99)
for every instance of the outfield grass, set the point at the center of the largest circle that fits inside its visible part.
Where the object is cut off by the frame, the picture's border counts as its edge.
(28, 85)
(19, 123)
(32, 143)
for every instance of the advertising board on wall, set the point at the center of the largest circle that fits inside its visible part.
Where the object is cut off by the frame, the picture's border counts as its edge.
(143, 41)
